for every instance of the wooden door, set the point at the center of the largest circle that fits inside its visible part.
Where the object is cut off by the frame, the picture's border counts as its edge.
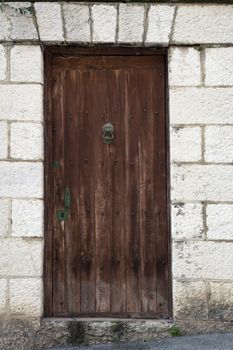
(107, 241)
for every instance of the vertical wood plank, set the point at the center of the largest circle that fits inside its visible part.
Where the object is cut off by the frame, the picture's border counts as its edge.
(71, 180)
(87, 195)
(100, 116)
(132, 215)
(59, 259)
(117, 172)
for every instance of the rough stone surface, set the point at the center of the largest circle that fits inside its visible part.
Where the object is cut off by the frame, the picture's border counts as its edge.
(159, 24)
(2, 62)
(131, 31)
(49, 21)
(219, 221)
(25, 297)
(3, 295)
(21, 179)
(187, 221)
(207, 24)
(26, 63)
(77, 22)
(184, 67)
(20, 257)
(5, 209)
(221, 300)
(27, 218)
(17, 26)
(218, 66)
(192, 105)
(185, 144)
(190, 300)
(21, 102)
(219, 144)
(3, 140)
(202, 259)
(26, 141)
(202, 182)
(104, 23)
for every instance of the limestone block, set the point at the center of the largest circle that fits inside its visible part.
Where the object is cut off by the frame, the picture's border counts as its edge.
(185, 144)
(160, 19)
(49, 21)
(104, 23)
(202, 182)
(21, 179)
(221, 301)
(2, 62)
(219, 144)
(190, 300)
(27, 218)
(20, 257)
(203, 24)
(21, 102)
(131, 23)
(15, 25)
(26, 141)
(77, 22)
(219, 66)
(184, 67)
(192, 105)
(3, 295)
(26, 297)
(187, 221)
(202, 260)
(26, 63)
(5, 210)
(219, 221)
(3, 140)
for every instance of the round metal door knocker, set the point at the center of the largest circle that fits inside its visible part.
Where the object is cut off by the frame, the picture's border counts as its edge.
(108, 133)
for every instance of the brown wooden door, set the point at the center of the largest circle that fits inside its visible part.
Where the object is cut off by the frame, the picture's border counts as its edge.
(107, 254)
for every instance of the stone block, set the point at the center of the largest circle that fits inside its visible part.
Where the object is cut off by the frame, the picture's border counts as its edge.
(104, 23)
(192, 105)
(198, 24)
(184, 67)
(131, 23)
(21, 179)
(221, 301)
(77, 22)
(160, 19)
(185, 144)
(187, 221)
(27, 218)
(202, 182)
(2, 62)
(15, 25)
(26, 141)
(219, 144)
(218, 66)
(202, 260)
(49, 21)
(21, 102)
(219, 221)
(3, 295)
(3, 140)
(26, 297)
(20, 257)
(5, 210)
(190, 300)
(26, 63)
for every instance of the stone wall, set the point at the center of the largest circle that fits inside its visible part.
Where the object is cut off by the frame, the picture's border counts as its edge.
(200, 42)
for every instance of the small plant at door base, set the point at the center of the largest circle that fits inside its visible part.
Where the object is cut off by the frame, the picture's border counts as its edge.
(117, 330)
(175, 331)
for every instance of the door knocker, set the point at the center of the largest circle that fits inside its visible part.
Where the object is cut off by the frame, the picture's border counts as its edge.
(108, 133)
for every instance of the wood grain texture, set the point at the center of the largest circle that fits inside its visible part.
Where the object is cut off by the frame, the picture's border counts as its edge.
(110, 257)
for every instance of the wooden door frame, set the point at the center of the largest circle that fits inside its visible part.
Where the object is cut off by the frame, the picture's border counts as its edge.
(49, 52)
